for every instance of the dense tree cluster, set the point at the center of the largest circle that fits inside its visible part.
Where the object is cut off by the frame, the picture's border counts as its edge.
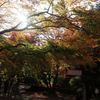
(46, 42)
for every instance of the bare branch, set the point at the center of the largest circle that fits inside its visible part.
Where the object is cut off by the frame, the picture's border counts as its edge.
(37, 14)
(39, 22)
(3, 4)
(14, 28)
(50, 5)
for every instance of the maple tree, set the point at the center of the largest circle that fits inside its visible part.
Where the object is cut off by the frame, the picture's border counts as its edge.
(69, 39)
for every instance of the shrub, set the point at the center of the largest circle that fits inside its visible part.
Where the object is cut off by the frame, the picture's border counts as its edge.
(75, 81)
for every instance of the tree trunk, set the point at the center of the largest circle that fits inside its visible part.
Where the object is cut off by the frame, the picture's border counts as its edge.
(55, 79)
(45, 80)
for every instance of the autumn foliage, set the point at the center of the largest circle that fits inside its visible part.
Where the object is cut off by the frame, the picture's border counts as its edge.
(51, 41)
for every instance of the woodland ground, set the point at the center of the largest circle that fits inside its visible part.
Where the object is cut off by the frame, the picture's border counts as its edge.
(25, 93)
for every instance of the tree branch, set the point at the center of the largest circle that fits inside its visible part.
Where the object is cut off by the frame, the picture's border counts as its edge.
(3, 3)
(9, 47)
(15, 28)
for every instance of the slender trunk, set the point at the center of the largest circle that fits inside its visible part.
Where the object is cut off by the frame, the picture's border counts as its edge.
(45, 80)
(55, 79)
(49, 80)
